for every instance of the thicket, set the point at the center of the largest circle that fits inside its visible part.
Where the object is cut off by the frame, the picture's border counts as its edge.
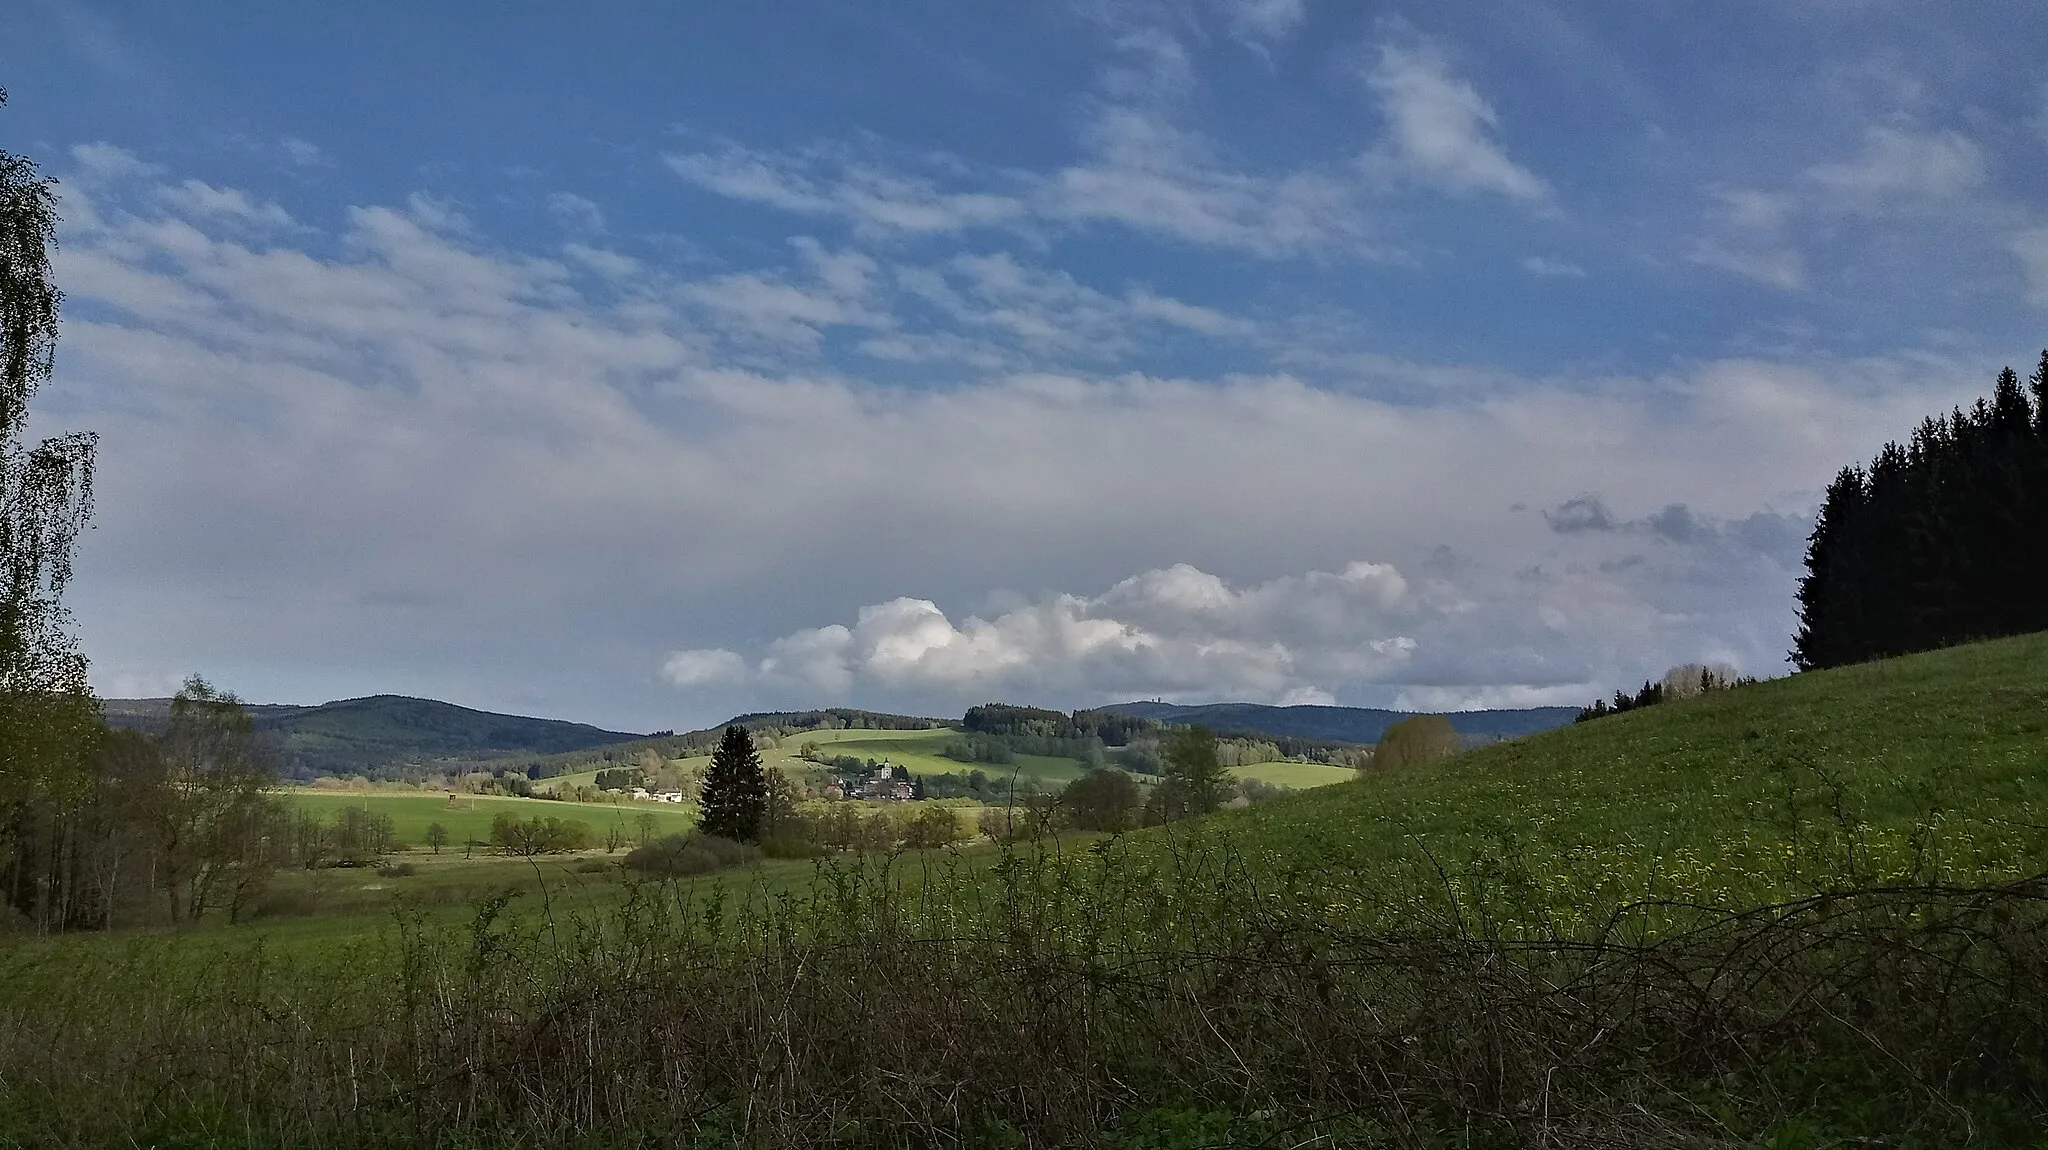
(1938, 541)
(677, 856)
(538, 835)
(1166, 996)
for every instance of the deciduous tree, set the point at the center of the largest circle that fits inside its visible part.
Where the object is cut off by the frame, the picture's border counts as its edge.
(1104, 800)
(49, 721)
(213, 821)
(1193, 769)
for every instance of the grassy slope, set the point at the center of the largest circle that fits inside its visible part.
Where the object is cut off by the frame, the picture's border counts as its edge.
(1697, 799)
(1733, 798)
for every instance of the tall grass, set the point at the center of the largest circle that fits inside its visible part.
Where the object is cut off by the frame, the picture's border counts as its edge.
(1164, 996)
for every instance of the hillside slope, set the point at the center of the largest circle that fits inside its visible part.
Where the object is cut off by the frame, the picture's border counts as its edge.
(1342, 724)
(1927, 766)
(358, 736)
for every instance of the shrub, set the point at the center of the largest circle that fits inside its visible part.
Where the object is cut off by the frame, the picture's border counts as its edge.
(933, 827)
(679, 855)
(1414, 741)
(789, 847)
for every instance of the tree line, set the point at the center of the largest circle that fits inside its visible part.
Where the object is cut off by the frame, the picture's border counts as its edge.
(1940, 540)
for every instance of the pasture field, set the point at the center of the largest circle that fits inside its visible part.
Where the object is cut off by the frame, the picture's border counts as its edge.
(1299, 776)
(1930, 766)
(469, 816)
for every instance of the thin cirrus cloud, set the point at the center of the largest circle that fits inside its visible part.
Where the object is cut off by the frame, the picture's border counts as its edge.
(1143, 171)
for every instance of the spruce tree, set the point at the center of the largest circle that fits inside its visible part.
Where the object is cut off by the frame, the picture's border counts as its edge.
(1939, 542)
(735, 795)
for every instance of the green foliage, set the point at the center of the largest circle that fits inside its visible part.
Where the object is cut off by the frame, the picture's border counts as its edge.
(620, 779)
(1105, 800)
(678, 856)
(979, 749)
(1198, 779)
(931, 828)
(539, 835)
(1414, 741)
(735, 796)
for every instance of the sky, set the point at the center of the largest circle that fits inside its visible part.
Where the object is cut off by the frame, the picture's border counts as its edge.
(643, 364)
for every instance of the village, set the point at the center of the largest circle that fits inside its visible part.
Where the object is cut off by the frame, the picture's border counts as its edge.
(878, 782)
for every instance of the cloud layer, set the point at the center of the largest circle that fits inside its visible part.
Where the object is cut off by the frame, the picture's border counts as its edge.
(1256, 349)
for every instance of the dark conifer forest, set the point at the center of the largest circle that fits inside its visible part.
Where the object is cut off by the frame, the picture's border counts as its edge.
(1940, 540)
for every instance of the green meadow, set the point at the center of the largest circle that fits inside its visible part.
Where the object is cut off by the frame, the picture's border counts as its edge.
(469, 816)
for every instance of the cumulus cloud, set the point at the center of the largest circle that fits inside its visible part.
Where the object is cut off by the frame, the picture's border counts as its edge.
(1175, 631)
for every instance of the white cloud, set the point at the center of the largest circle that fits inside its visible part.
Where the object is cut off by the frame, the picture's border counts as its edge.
(1550, 268)
(1781, 268)
(1174, 631)
(703, 667)
(1264, 20)
(1442, 129)
(1754, 238)
(232, 204)
(822, 182)
(2031, 246)
(581, 215)
(1936, 165)
(304, 153)
(101, 162)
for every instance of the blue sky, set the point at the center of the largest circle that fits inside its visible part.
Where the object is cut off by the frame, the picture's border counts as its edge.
(642, 366)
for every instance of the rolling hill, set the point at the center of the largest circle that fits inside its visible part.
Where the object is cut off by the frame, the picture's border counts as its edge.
(1343, 724)
(363, 736)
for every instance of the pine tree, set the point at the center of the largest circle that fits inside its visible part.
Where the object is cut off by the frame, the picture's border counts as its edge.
(735, 795)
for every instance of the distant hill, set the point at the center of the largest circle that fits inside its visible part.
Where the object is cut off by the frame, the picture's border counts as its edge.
(1344, 724)
(363, 736)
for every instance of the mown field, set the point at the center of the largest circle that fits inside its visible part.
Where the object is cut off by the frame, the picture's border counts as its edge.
(1809, 912)
(469, 817)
